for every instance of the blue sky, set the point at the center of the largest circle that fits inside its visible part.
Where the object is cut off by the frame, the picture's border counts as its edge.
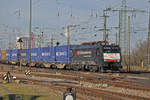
(45, 17)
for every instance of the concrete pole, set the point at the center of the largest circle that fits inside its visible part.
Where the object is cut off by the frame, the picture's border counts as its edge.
(52, 40)
(148, 43)
(30, 30)
(105, 31)
(129, 43)
(20, 56)
(68, 35)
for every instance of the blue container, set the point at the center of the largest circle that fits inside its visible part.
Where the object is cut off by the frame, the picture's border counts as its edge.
(47, 54)
(14, 55)
(35, 57)
(63, 54)
(24, 55)
(8, 55)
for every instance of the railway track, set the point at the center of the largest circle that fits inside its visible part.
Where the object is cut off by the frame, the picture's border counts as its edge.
(94, 92)
(85, 77)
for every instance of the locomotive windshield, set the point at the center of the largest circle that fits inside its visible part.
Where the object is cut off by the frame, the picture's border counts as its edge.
(111, 49)
(111, 54)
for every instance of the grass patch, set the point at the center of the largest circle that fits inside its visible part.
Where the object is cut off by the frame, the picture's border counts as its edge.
(138, 68)
(27, 92)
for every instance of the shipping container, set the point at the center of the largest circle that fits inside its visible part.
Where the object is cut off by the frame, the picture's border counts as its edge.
(63, 54)
(15, 55)
(47, 54)
(24, 55)
(35, 54)
(8, 55)
(3, 55)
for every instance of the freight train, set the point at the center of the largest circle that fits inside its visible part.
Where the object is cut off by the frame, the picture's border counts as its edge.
(85, 57)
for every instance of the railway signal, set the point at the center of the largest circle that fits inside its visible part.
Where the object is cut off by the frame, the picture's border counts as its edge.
(20, 42)
(69, 95)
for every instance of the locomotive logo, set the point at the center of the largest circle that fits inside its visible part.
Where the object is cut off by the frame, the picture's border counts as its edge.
(77, 52)
(83, 52)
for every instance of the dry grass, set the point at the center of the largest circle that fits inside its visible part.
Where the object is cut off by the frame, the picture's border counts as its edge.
(29, 91)
(138, 68)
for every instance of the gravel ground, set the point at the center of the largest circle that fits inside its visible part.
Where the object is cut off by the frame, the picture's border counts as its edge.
(133, 92)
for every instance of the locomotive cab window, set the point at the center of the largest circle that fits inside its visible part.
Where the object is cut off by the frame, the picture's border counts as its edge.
(111, 49)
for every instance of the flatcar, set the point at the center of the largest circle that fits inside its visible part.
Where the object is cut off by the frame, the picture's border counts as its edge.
(87, 57)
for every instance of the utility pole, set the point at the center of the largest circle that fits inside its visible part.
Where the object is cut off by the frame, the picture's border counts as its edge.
(124, 24)
(52, 40)
(68, 35)
(129, 43)
(123, 34)
(30, 31)
(119, 27)
(116, 38)
(20, 43)
(105, 34)
(148, 43)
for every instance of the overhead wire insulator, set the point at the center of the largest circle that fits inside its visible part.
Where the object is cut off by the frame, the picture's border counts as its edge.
(58, 13)
(92, 13)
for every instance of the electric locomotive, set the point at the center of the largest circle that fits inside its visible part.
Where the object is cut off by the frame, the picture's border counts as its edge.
(96, 57)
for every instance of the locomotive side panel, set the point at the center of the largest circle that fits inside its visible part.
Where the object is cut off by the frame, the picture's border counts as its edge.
(84, 58)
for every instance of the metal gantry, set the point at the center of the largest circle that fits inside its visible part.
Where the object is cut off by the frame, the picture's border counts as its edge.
(122, 30)
(30, 30)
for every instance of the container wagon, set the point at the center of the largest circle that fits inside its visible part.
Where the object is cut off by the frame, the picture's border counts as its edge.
(86, 57)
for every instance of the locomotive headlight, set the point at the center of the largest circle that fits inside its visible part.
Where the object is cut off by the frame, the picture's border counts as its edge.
(118, 60)
(105, 60)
